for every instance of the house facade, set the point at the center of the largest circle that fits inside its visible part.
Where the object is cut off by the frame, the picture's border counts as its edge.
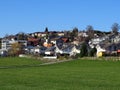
(6, 43)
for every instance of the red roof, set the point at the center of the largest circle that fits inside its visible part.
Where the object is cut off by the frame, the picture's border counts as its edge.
(32, 39)
(118, 50)
(65, 39)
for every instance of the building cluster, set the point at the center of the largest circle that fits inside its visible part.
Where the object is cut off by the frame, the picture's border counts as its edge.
(59, 43)
(39, 43)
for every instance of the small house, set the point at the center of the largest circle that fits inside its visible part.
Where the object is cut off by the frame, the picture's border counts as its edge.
(100, 51)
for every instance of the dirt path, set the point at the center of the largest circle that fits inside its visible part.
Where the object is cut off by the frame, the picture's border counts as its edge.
(56, 62)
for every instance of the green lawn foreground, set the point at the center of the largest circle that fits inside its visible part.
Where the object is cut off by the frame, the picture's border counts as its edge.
(18, 62)
(73, 75)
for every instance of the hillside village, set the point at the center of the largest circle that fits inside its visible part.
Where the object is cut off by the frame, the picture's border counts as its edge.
(56, 43)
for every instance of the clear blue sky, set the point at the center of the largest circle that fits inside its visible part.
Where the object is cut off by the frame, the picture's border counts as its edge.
(34, 15)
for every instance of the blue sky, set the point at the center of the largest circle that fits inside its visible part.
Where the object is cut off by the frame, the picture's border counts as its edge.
(34, 15)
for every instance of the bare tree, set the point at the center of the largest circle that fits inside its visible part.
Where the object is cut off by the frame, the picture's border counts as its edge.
(90, 31)
(75, 31)
(89, 28)
(21, 36)
(115, 28)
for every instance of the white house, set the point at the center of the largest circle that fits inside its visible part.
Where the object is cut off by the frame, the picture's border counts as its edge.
(60, 33)
(70, 50)
(100, 51)
(6, 43)
(36, 50)
(57, 50)
(74, 51)
(116, 39)
(97, 41)
(83, 34)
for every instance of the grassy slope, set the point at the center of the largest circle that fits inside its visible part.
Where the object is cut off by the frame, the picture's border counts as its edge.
(74, 75)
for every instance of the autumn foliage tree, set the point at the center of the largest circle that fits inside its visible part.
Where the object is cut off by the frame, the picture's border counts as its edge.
(16, 48)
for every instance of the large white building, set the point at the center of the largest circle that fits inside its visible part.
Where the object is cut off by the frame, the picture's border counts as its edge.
(6, 43)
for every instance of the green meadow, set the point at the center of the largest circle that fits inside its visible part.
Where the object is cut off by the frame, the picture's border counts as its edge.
(28, 74)
(18, 62)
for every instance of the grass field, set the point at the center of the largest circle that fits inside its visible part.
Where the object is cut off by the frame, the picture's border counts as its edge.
(16, 61)
(73, 75)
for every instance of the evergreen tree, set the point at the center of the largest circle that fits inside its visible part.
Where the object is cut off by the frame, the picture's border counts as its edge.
(93, 52)
(46, 30)
(83, 50)
(47, 33)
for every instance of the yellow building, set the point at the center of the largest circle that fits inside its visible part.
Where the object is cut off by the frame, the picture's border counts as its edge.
(100, 54)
